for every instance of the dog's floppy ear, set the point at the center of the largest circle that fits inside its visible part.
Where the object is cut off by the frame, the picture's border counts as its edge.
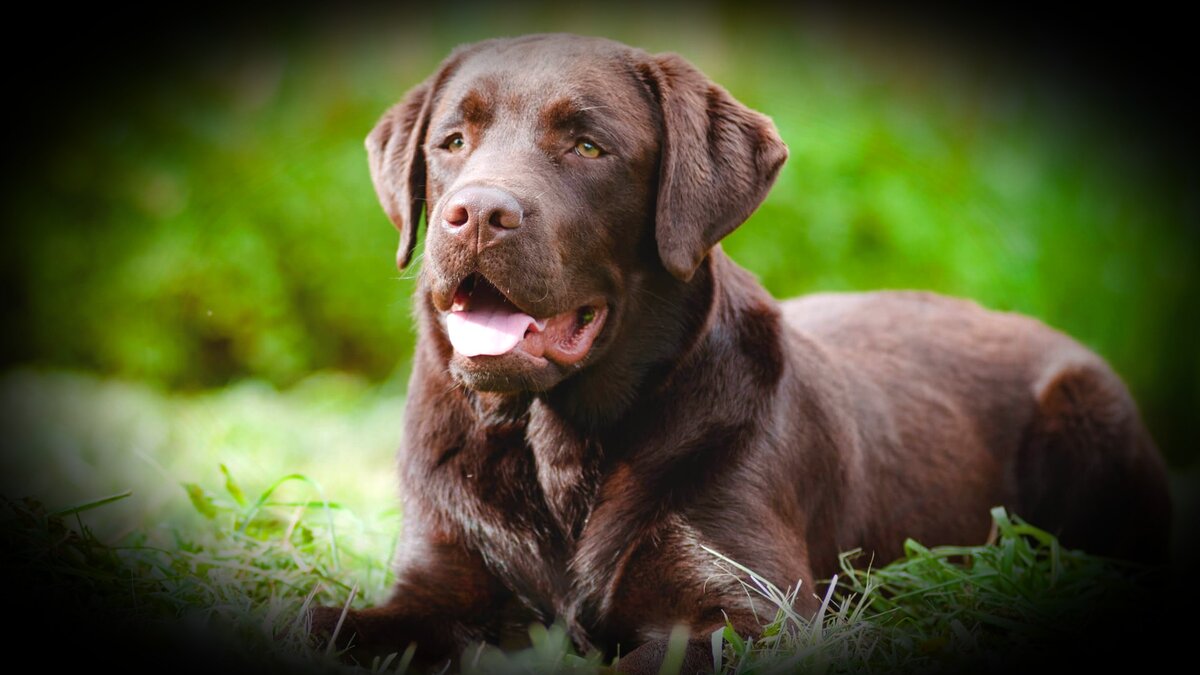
(719, 160)
(398, 164)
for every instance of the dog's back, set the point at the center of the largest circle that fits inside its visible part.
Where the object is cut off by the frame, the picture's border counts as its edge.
(956, 404)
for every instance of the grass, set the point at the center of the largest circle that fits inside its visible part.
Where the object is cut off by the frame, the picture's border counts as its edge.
(229, 539)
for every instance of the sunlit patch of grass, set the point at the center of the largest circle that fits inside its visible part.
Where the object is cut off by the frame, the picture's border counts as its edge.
(246, 574)
(71, 436)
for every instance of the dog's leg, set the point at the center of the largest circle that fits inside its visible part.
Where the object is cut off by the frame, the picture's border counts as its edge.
(1088, 470)
(648, 658)
(444, 598)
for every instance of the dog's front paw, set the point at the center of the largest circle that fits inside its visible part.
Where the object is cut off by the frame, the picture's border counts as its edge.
(358, 636)
(648, 658)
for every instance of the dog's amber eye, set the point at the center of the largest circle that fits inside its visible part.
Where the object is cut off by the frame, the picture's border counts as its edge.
(455, 143)
(587, 149)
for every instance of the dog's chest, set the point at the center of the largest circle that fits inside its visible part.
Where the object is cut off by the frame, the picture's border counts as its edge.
(523, 505)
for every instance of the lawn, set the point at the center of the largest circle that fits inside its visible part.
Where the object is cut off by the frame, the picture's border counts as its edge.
(227, 513)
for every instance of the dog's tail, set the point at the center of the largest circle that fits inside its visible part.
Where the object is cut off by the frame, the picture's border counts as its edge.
(1089, 471)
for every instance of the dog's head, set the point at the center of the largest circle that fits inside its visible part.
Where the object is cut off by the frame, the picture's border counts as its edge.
(559, 175)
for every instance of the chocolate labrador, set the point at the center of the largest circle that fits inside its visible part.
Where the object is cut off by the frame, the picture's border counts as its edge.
(599, 395)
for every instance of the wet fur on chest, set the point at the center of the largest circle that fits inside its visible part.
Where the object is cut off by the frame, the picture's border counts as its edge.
(523, 488)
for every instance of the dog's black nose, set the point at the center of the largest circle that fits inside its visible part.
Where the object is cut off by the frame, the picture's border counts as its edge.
(483, 212)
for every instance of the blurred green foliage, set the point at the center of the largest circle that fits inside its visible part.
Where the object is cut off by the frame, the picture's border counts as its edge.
(219, 223)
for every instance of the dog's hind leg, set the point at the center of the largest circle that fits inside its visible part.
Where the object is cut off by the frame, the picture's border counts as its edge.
(1088, 470)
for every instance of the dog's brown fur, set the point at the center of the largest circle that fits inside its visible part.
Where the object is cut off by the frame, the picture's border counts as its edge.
(706, 413)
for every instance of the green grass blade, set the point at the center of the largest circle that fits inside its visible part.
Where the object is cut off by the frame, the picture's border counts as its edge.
(266, 496)
(731, 636)
(201, 501)
(89, 505)
(406, 658)
(677, 645)
(232, 487)
(311, 504)
(717, 648)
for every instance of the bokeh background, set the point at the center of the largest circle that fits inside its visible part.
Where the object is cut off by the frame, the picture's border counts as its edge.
(195, 271)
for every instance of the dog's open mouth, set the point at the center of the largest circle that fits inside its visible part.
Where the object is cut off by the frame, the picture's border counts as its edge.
(483, 322)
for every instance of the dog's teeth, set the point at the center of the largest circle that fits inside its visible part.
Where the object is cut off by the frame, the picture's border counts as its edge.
(458, 306)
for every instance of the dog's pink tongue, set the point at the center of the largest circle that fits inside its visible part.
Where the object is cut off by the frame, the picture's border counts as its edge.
(488, 331)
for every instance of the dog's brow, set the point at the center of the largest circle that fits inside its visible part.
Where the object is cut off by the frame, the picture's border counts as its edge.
(476, 108)
(569, 112)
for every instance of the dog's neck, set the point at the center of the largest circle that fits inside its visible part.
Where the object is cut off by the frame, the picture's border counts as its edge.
(671, 325)
(664, 319)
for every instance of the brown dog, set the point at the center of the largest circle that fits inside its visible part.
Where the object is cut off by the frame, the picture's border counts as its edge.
(599, 392)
